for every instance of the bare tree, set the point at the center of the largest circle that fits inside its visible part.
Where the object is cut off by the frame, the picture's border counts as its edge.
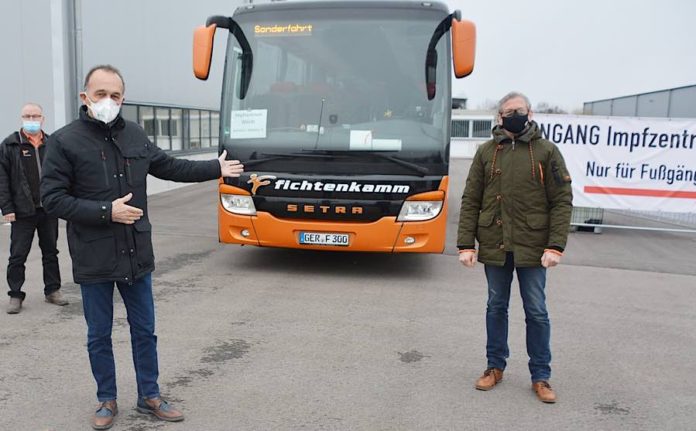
(487, 105)
(546, 108)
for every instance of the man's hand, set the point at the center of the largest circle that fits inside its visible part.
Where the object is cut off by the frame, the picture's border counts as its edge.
(229, 168)
(122, 213)
(550, 258)
(468, 258)
(9, 218)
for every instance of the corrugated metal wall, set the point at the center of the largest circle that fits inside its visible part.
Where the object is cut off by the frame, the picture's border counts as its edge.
(673, 103)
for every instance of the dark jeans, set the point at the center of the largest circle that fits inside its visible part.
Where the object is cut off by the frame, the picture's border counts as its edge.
(21, 237)
(98, 304)
(532, 282)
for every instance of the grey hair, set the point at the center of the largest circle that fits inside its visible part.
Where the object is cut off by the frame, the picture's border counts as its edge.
(33, 104)
(513, 95)
(106, 68)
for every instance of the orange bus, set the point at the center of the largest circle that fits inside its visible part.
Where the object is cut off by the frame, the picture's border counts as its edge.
(340, 112)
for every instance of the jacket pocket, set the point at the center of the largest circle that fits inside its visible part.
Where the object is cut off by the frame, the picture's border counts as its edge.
(538, 221)
(537, 234)
(488, 233)
(136, 165)
(142, 233)
(93, 250)
(486, 219)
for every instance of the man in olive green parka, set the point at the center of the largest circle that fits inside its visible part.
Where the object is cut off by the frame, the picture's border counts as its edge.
(517, 206)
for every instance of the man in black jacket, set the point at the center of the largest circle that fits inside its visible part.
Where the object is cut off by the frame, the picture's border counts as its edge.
(21, 156)
(95, 178)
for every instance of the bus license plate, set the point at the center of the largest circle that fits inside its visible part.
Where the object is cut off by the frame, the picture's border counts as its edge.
(324, 238)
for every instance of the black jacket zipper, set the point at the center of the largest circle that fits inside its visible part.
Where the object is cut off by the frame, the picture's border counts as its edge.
(106, 171)
(129, 177)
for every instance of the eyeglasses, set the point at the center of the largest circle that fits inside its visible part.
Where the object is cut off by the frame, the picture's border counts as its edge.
(32, 117)
(510, 113)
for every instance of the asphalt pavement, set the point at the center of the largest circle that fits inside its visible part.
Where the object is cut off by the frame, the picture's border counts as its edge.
(270, 339)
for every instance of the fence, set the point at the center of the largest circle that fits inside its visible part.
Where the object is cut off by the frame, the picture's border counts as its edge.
(596, 219)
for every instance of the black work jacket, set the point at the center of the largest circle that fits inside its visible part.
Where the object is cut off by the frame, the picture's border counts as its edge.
(15, 192)
(88, 165)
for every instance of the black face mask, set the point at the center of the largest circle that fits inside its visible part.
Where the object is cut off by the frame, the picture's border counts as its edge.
(515, 123)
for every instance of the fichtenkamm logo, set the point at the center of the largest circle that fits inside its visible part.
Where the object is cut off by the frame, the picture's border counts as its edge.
(257, 181)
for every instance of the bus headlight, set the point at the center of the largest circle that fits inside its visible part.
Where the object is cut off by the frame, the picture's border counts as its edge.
(419, 210)
(238, 204)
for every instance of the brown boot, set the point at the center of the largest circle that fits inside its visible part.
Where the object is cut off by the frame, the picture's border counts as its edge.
(544, 392)
(56, 298)
(160, 409)
(15, 306)
(104, 417)
(490, 378)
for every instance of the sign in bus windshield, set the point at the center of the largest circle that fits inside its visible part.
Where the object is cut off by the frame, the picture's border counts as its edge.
(283, 30)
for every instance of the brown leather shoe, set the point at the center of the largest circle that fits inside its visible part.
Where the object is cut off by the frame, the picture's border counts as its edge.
(160, 409)
(56, 298)
(104, 416)
(15, 306)
(490, 378)
(544, 392)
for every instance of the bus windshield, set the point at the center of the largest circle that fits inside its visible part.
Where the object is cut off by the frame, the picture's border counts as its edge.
(324, 82)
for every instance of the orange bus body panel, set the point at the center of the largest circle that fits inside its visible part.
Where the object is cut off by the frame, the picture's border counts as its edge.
(378, 236)
(232, 190)
(436, 195)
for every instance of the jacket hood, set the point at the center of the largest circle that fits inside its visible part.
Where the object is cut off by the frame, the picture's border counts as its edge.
(531, 133)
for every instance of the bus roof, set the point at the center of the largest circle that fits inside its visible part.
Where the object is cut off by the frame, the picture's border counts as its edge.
(341, 4)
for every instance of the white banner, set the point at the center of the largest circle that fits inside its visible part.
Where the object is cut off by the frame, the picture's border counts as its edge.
(627, 163)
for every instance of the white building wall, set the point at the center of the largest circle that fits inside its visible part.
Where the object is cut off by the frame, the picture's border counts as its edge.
(28, 66)
(464, 147)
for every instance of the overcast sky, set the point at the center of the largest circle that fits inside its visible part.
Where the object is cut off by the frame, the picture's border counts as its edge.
(566, 52)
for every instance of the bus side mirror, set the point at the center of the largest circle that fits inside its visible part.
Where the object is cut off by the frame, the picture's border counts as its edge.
(203, 50)
(463, 47)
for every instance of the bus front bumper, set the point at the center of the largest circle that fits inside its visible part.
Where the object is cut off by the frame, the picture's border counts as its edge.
(385, 235)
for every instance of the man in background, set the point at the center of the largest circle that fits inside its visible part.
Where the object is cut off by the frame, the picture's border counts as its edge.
(21, 158)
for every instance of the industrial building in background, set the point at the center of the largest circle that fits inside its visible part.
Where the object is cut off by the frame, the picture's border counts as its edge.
(51, 44)
(679, 102)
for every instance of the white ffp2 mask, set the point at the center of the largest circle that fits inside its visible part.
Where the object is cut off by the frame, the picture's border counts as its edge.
(105, 110)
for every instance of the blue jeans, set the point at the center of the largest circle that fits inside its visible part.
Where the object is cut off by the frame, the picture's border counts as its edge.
(98, 304)
(532, 282)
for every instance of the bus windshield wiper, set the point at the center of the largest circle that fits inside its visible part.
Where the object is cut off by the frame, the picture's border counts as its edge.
(331, 154)
(422, 170)
(279, 156)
